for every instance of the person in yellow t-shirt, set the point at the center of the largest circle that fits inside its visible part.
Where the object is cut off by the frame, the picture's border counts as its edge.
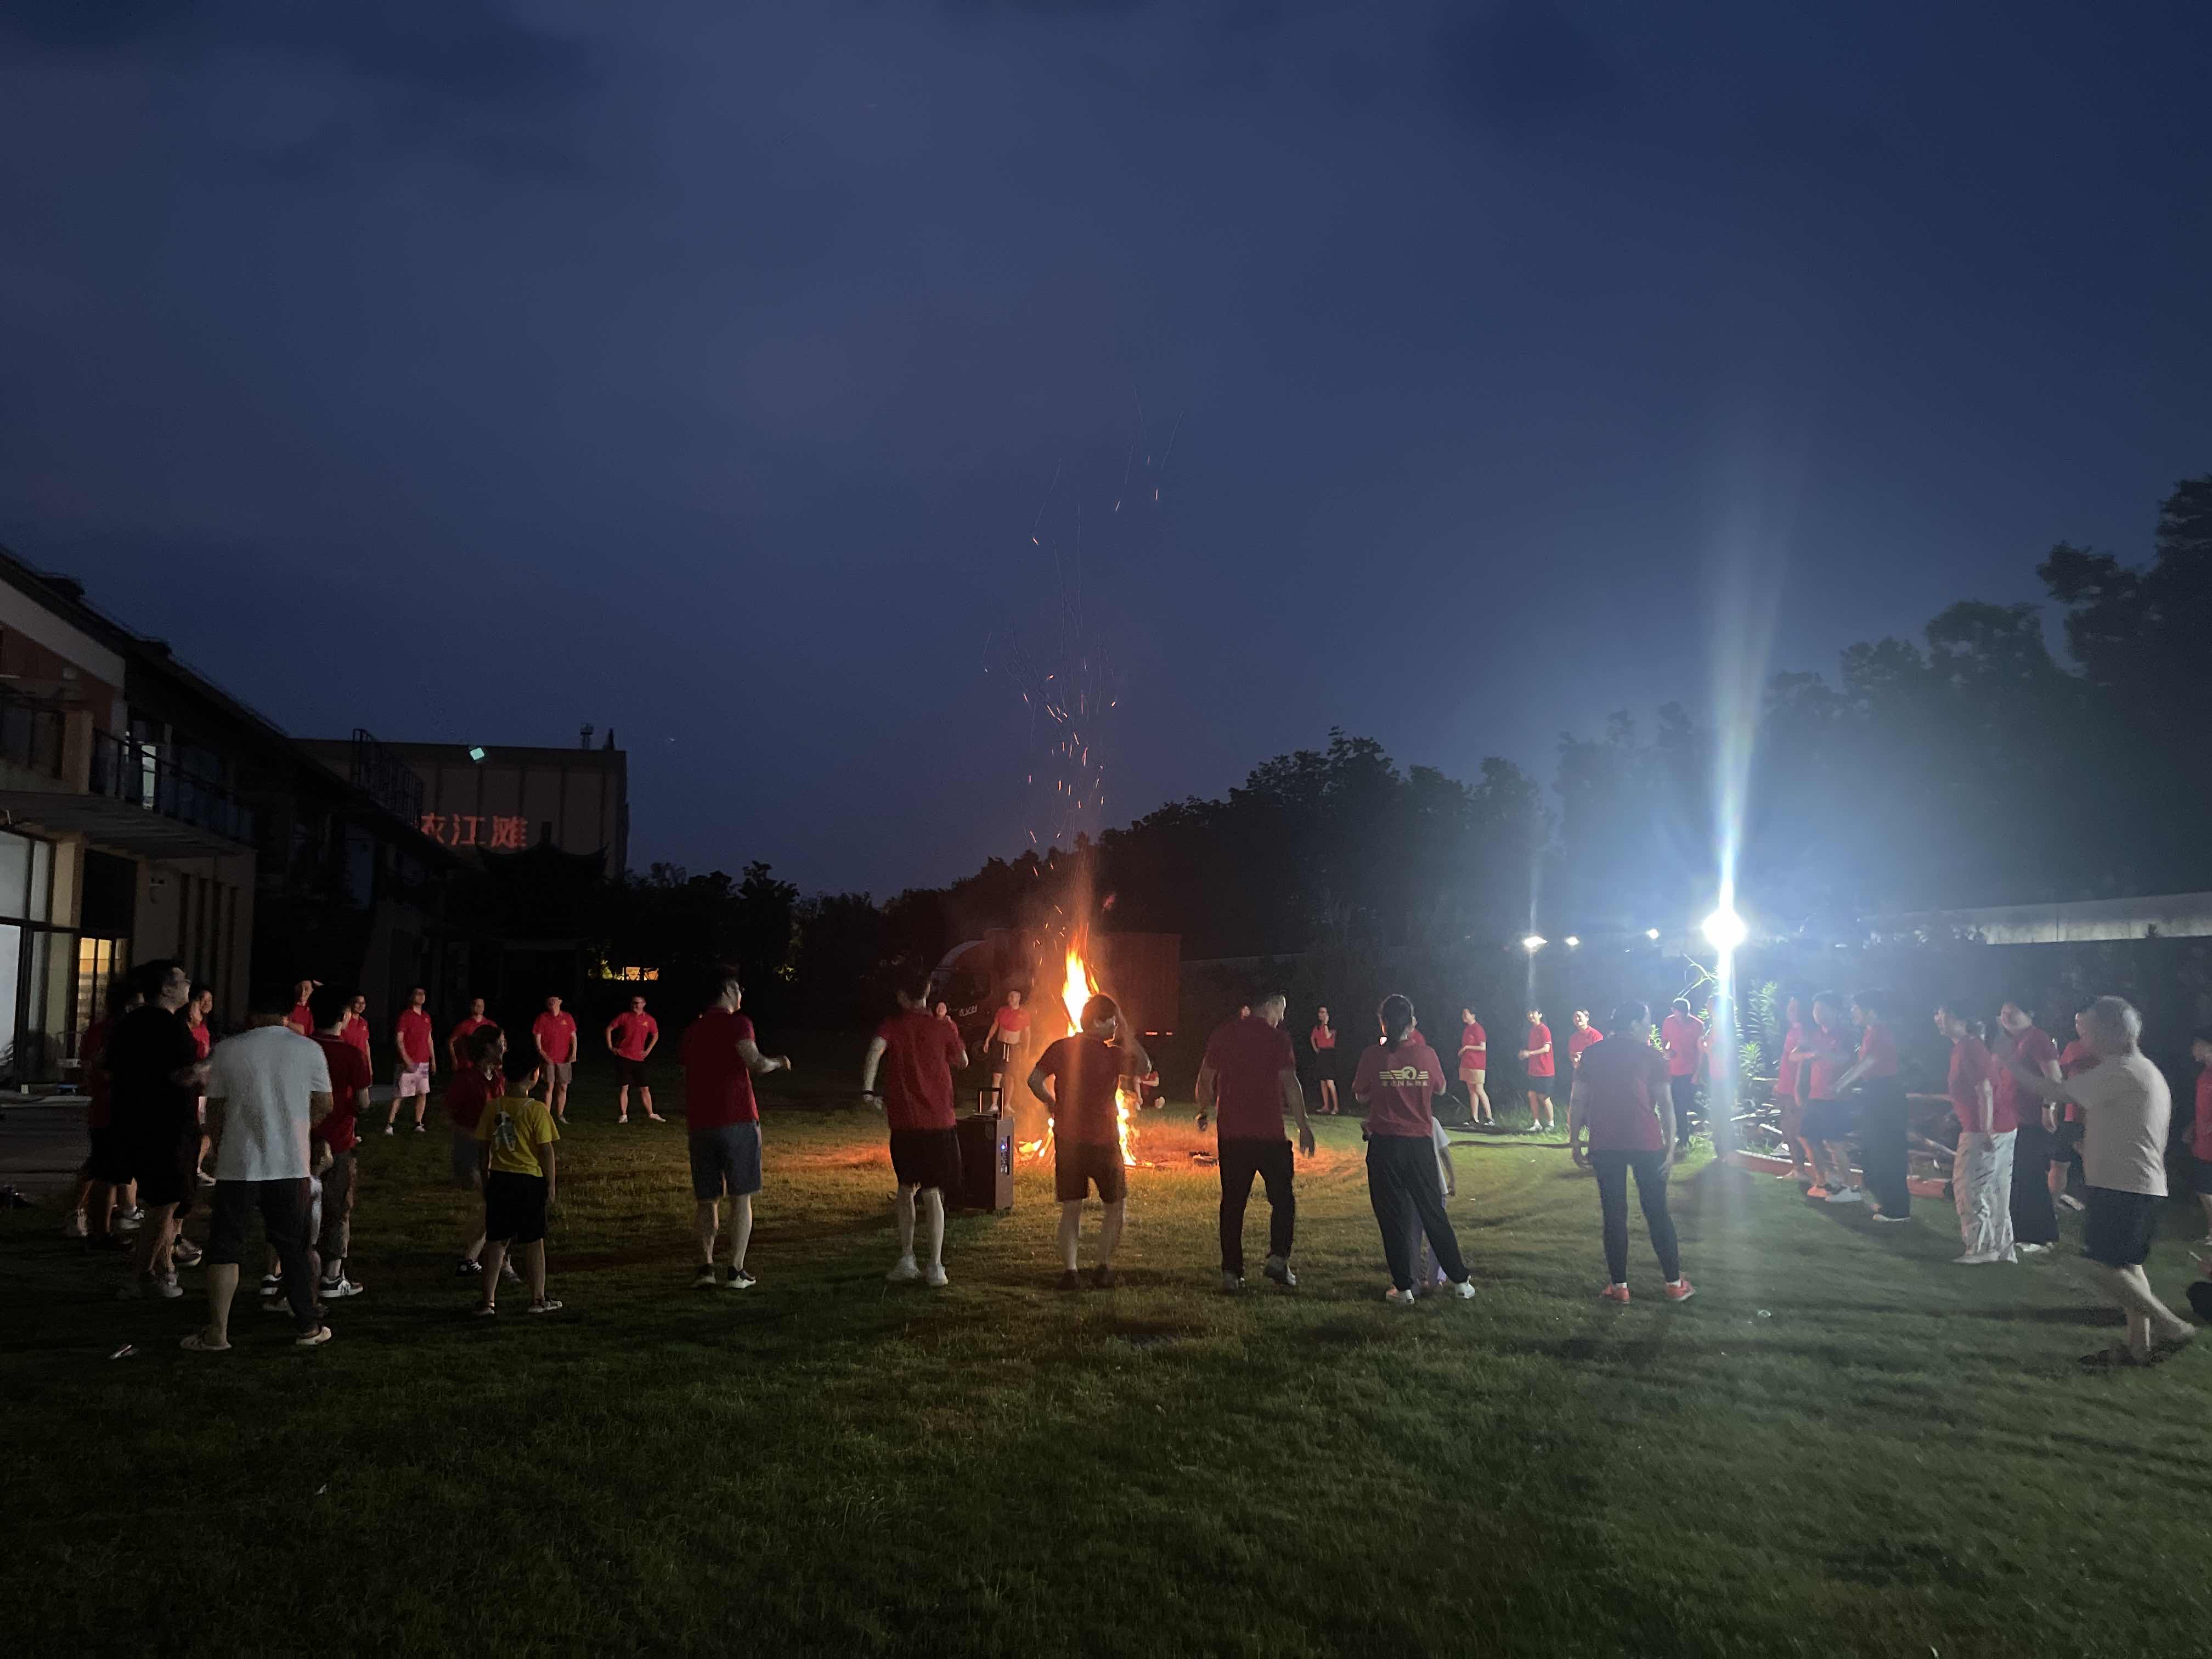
(517, 1133)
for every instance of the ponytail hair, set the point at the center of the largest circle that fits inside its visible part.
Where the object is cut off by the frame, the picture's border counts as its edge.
(1396, 1014)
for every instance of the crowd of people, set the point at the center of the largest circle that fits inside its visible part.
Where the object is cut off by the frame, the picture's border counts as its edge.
(277, 1106)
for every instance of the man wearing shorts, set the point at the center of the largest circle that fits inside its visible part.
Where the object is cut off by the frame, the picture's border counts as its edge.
(267, 1089)
(519, 1173)
(632, 1036)
(917, 1054)
(1682, 1034)
(416, 1038)
(1826, 1055)
(722, 1117)
(1248, 1079)
(1536, 1060)
(554, 1034)
(459, 1034)
(2126, 1109)
(153, 1075)
(1078, 1079)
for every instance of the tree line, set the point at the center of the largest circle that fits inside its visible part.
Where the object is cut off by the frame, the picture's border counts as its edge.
(1970, 767)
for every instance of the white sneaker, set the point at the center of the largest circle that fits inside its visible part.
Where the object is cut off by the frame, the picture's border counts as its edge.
(337, 1287)
(387, 1128)
(1398, 1298)
(2070, 1200)
(129, 1221)
(1464, 1289)
(935, 1278)
(1847, 1195)
(2035, 1250)
(1973, 1259)
(903, 1272)
(74, 1227)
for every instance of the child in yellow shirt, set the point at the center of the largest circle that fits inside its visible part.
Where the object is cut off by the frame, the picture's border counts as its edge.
(517, 1135)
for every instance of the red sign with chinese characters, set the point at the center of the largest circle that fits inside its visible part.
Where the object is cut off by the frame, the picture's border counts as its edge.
(465, 830)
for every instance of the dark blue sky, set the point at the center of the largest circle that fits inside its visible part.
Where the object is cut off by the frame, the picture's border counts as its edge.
(705, 370)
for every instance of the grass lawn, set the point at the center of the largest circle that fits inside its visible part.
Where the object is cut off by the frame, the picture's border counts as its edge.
(1842, 1445)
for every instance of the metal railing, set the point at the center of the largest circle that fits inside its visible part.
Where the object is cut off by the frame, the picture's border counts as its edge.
(124, 769)
(31, 735)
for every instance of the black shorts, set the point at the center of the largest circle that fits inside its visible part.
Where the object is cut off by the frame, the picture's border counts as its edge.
(1541, 1085)
(2119, 1227)
(283, 1209)
(110, 1160)
(514, 1208)
(1830, 1121)
(926, 1157)
(164, 1163)
(630, 1073)
(1076, 1167)
(2200, 1175)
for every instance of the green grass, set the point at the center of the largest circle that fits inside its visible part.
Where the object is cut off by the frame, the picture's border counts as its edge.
(1843, 1445)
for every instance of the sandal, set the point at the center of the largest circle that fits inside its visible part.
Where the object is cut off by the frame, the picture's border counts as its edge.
(197, 1343)
(546, 1307)
(313, 1339)
(484, 1311)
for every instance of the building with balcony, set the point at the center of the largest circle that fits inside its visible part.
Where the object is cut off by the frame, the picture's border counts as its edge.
(145, 812)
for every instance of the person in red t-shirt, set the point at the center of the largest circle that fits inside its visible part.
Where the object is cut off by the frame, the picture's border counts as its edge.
(722, 1119)
(1320, 1043)
(2200, 1128)
(554, 1034)
(1536, 1060)
(1830, 1120)
(1475, 1069)
(1583, 1034)
(480, 1081)
(1789, 1094)
(917, 1052)
(2066, 1146)
(1248, 1079)
(302, 1017)
(337, 1136)
(1884, 1117)
(1002, 1044)
(1623, 1099)
(1682, 1034)
(632, 1036)
(356, 1029)
(196, 1021)
(459, 1034)
(416, 1040)
(1079, 1081)
(2034, 1219)
(1398, 1080)
(1981, 1171)
(103, 1181)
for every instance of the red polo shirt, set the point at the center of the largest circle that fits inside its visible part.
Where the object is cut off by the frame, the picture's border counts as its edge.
(919, 1051)
(2031, 1048)
(1879, 1049)
(1620, 1085)
(1581, 1038)
(718, 1086)
(556, 1035)
(1543, 1065)
(415, 1034)
(1249, 1057)
(1828, 1054)
(1680, 1034)
(1971, 1066)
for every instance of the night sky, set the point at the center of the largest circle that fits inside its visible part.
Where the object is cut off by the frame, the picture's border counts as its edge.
(706, 370)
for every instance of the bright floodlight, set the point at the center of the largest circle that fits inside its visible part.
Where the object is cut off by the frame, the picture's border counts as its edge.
(1534, 943)
(1572, 941)
(1652, 933)
(1724, 929)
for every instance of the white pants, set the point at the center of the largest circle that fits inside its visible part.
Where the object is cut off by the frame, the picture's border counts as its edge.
(1981, 1182)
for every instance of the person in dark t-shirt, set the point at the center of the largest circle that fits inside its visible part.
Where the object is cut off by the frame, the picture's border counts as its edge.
(154, 1071)
(1079, 1079)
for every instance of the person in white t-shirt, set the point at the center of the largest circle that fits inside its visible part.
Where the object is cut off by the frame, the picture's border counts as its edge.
(267, 1088)
(2126, 1108)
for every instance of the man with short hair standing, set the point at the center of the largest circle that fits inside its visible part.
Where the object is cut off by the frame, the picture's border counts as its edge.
(918, 1052)
(721, 1060)
(153, 1071)
(417, 1042)
(554, 1034)
(267, 1089)
(1079, 1081)
(2126, 1109)
(1247, 1080)
(1981, 1170)
(2034, 1217)
(350, 1078)
(460, 1032)
(1536, 1059)
(1682, 1033)
(632, 1036)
